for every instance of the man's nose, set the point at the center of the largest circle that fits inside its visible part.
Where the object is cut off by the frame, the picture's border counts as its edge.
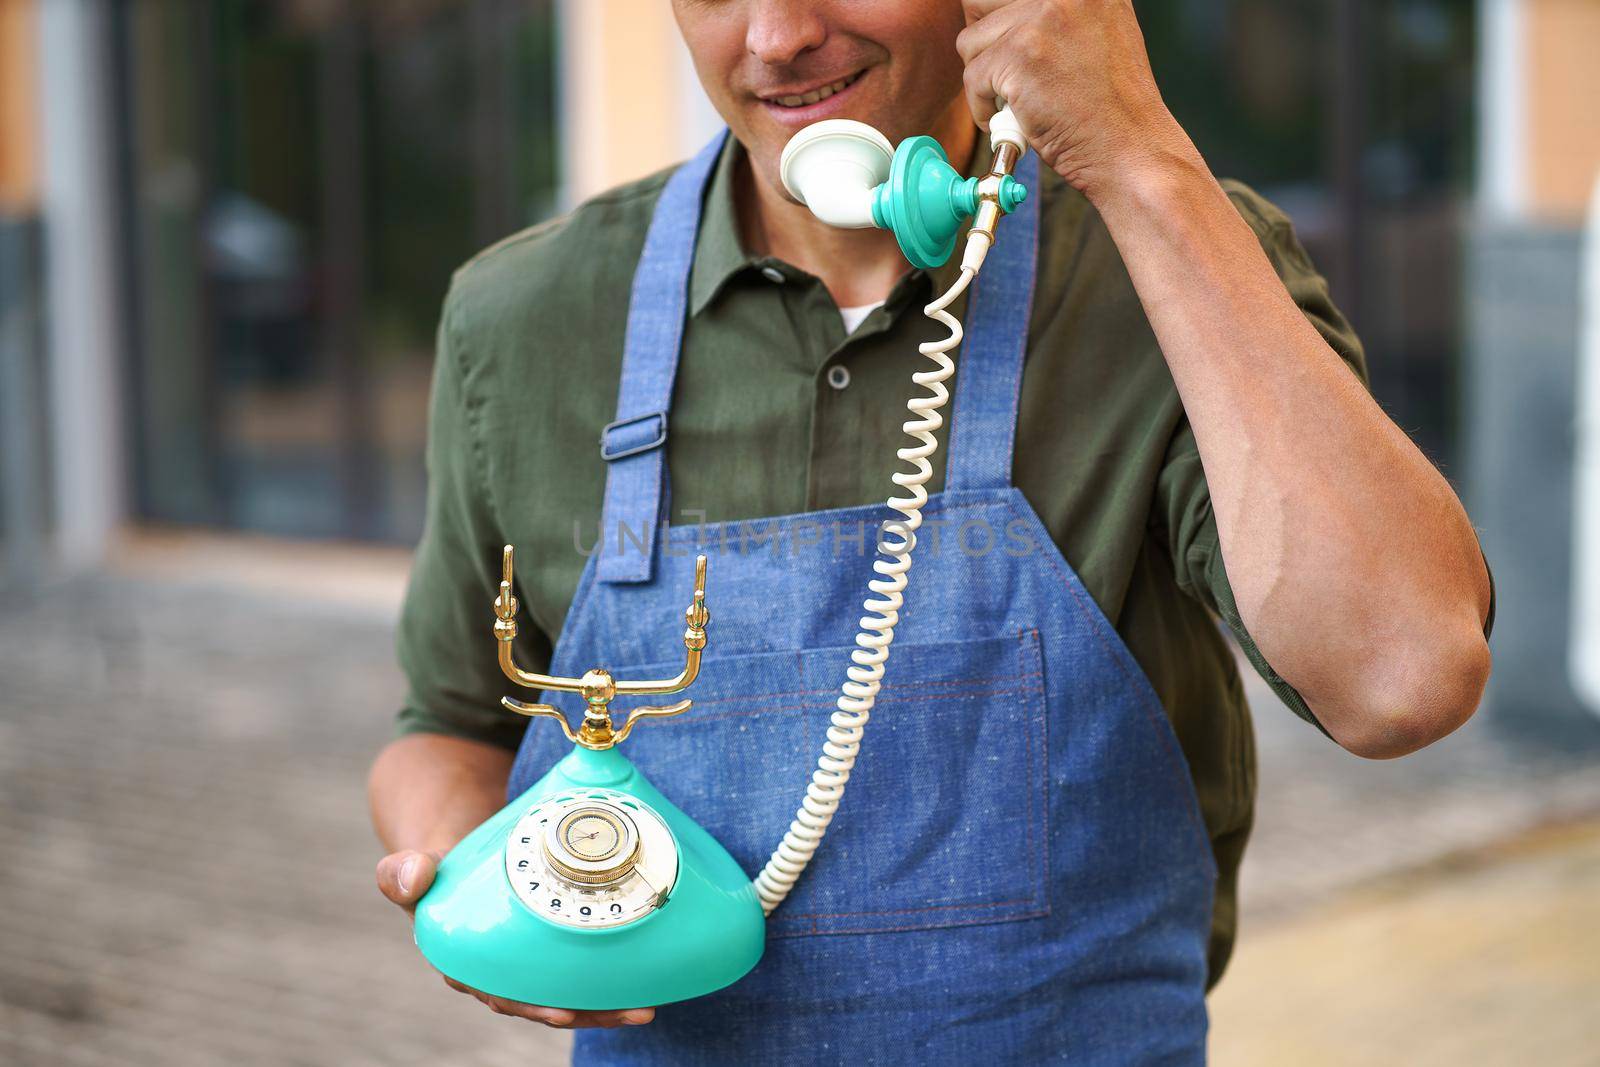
(780, 30)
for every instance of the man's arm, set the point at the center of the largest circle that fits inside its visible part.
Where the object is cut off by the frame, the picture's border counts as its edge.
(1352, 563)
(447, 773)
(428, 791)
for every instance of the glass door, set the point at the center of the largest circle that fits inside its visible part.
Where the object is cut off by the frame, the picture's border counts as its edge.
(301, 179)
(1357, 119)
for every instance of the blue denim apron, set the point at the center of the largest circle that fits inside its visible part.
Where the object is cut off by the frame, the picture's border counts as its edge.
(1019, 871)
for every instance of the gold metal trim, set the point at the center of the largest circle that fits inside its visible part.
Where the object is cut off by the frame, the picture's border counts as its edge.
(988, 216)
(598, 687)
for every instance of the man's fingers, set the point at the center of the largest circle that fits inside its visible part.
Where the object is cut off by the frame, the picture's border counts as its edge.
(575, 1020)
(560, 1018)
(981, 34)
(405, 876)
(980, 92)
(984, 64)
(608, 1019)
(977, 9)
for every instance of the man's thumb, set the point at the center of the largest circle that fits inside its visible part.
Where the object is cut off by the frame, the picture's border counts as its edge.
(404, 876)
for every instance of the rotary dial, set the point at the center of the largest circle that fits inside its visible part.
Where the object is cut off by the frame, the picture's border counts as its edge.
(592, 833)
(593, 843)
(592, 858)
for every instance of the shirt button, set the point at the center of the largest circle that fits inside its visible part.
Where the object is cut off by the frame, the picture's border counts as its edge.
(773, 274)
(838, 376)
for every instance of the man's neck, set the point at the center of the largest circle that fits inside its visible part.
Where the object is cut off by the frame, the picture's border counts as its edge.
(857, 266)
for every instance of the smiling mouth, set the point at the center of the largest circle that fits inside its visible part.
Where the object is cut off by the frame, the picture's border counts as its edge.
(815, 95)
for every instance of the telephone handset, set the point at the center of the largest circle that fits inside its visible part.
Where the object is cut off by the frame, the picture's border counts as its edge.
(847, 173)
(593, 891)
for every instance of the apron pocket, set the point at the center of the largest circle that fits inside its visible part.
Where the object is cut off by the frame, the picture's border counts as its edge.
(944, 821)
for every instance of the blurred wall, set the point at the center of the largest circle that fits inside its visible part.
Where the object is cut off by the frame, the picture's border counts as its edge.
(229, 225)
(1540, 145)
(19, 144)
(1563, 105)
(23, 474)
(631, 103)
(82, 285)
(62, 475)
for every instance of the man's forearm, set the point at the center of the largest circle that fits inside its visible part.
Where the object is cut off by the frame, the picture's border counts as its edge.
(1352, 563)
(428, 791)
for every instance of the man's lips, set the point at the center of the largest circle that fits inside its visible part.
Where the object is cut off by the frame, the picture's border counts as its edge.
(829, 100)
(792, 99)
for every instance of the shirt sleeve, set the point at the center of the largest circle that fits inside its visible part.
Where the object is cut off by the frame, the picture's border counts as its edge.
(445, 641)
(1183, 501)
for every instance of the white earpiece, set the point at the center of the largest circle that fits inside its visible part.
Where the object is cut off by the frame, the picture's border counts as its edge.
(833, 167)
(1004, 129)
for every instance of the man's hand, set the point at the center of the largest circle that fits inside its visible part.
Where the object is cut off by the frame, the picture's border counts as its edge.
(1076, 75)
(1351, 561)
(427, 793)
(405, 876)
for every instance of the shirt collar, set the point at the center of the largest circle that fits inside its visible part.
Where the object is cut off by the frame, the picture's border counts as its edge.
(719, 253)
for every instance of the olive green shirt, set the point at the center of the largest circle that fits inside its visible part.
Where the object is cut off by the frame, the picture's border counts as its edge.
(529, 356)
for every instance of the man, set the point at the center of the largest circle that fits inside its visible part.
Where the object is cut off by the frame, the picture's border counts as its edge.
(1192, 434)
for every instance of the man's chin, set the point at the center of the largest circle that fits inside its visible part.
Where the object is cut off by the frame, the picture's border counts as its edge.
(764, 156)
(767, 135)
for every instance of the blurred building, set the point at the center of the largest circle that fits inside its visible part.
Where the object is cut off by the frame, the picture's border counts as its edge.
(229, 226)
(1539, 159)
(226, 227)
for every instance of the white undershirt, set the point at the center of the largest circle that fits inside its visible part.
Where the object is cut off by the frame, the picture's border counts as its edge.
(853, 316)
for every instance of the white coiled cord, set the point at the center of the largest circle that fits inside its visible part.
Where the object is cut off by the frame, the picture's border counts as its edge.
(860, 691)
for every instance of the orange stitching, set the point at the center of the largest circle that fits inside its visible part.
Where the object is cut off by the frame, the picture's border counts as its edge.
(784, 709)
(977, 921)
(903, 911)
(967, 683)
(968, 688)
(1168, 739)
(1041, 876)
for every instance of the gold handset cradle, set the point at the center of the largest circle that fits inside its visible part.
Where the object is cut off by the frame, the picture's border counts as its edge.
(597, 687)
(592, 890)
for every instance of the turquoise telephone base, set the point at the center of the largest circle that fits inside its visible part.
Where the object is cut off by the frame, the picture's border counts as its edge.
(474, 929)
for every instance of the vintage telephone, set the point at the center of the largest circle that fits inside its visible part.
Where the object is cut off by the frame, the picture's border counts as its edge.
(592, 890)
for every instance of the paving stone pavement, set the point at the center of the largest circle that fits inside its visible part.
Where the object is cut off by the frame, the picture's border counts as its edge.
(187, 875)
(187, 870)
(1327, 821)
(1488, 958)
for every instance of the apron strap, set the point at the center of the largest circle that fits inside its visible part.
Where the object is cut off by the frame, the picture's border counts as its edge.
(989, 371)
(987, 391)
(633, 444)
